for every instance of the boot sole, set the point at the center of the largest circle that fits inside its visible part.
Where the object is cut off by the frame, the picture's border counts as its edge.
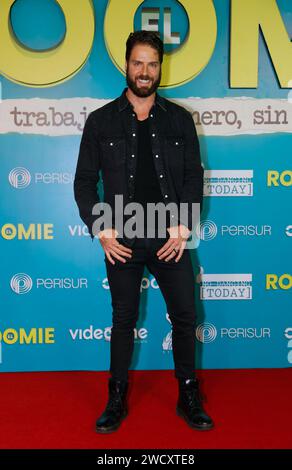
(208, 427)
(112, 428)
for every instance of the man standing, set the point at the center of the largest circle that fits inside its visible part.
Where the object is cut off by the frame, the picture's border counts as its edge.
(148, 152)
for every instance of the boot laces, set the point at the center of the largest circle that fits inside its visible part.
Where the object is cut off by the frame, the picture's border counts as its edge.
(115, 403)
(195, 398)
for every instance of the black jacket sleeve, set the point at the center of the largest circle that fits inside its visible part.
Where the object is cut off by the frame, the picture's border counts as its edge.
(192, 191)
(87, 174)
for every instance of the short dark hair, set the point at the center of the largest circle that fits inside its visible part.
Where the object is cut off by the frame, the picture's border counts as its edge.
(151, 38)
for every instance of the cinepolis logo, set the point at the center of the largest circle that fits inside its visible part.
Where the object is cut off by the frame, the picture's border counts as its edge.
(19, 177)
(288, 335)
(21, 283)
(206, 332)
(208, 230)
(167, 340)
(288, 231)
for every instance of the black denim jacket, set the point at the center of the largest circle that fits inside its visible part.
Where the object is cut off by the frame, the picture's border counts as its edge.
(109, 145)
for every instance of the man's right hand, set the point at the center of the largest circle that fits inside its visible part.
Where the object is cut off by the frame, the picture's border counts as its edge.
(112, 248)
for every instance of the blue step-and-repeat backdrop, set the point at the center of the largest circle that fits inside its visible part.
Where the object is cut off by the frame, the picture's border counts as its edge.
(229, 62)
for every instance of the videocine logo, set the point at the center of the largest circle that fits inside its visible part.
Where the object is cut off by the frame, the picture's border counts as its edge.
(21, 283)
(206, 332)
(19, 177)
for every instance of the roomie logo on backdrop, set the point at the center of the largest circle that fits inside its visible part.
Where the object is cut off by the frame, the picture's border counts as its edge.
(193, 40)
(32, 336)
(279, 178)
(30, 232)
(276, 282)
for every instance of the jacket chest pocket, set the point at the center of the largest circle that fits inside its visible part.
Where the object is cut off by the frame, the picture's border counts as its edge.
(174, 150)
(113, 152)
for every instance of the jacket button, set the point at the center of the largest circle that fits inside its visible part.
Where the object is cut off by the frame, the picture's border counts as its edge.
(161, 176)
(156, 156)
(111, 143)
(133, 156)
(131, 176)
(153, 135)
(166, 195)
(134, 135)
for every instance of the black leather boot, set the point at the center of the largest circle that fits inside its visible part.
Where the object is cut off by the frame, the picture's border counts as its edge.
(189, 405)
(116, 408)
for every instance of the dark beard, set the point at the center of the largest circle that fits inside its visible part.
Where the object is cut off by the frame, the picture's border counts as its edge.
(143, 92)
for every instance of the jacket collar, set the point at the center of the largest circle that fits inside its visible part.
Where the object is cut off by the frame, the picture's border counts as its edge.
(123, 101)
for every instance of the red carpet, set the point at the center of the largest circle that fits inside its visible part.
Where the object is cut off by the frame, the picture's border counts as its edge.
(251, 409)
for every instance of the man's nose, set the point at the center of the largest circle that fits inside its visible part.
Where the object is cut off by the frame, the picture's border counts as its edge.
(145, 69)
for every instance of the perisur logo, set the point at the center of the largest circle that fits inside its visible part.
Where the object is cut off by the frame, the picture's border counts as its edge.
(19, 177)
(206, 332)
(21, 283)
(208, 230)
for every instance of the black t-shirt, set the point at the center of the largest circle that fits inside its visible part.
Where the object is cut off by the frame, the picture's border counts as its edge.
(147, 187)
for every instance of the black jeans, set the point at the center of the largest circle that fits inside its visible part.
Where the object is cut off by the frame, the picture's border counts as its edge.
(176, 282)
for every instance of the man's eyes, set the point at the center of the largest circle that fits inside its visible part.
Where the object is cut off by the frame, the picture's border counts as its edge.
(154, 64)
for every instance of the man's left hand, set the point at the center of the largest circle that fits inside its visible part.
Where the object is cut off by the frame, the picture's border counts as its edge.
(175, 245)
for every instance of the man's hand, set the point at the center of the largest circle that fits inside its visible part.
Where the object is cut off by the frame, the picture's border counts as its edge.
(177, 241)
(112, 248)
